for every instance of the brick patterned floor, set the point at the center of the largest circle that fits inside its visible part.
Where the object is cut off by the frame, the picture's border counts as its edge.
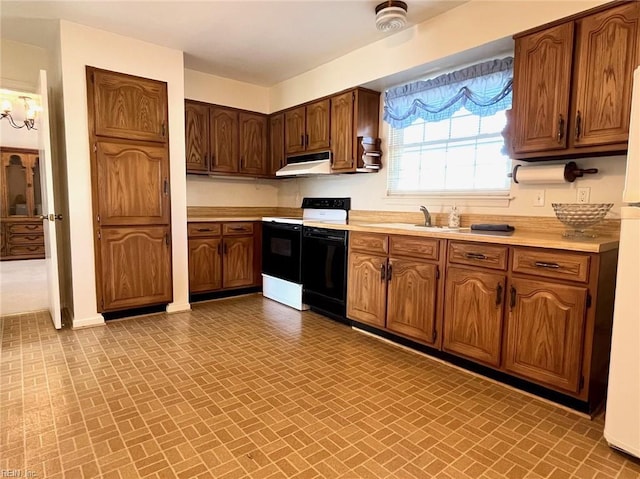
(249, 388)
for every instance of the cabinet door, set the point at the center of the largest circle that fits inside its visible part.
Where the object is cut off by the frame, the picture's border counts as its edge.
(411, 299)
(367, 289)
(544, 333)
(277, 158)
(317, 136)
(224, 140)
(238, 262)
(205, 264)
(342, 131)
(541, 84)
(133, 184)
(129, 107)
(606, 55)
(253, 144)
(16, 184)
(473, 314)
(294, 130)
(136, 267)
(197, 137)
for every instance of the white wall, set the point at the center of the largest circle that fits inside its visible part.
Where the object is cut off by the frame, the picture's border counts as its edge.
(81, 46)
(220, 191)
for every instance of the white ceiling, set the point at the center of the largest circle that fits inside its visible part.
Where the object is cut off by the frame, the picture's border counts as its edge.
(261, 42)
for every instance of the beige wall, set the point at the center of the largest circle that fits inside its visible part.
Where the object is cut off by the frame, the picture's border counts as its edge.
(220, 191)
(20, 65)
(434, 44)
(82, 46)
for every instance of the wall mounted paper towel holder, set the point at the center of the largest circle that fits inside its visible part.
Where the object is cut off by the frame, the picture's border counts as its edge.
(571, 172)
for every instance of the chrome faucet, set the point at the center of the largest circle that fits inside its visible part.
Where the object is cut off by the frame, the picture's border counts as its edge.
(427, 216)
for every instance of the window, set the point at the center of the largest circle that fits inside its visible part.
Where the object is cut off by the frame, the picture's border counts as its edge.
(445, 135)
(461, 154)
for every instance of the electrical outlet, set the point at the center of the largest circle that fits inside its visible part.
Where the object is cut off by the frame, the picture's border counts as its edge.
(582, 194)
(538, 200)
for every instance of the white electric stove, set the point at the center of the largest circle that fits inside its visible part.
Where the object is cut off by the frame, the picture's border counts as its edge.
(282, 264)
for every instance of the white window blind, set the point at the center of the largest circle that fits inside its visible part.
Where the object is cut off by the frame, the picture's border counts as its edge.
(459, 155)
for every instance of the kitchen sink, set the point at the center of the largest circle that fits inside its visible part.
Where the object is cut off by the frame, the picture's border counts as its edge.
(414, 227)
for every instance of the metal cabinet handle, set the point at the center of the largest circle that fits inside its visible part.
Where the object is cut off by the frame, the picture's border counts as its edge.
(166, 239)
(32, 238)
(238, 228)
(578, 125)
(383, 272)
(166, 187)
(541, 264)
(475, 256)
(301, 140)
(499, 295)
(31, 227)
(306, 140)
(389, 270)
(513, 298)
(560, 128)
(202, 230)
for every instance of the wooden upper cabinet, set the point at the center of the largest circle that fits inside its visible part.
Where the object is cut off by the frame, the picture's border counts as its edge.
(541, 86)
(342, 131)
(295, 130)
(136, 267)
(205, 264)
(253, 144)
(317, 135)
(607, 51)
(132, 182)
(411, 299)
(572, 85)
(367, 288)
(224, 140)
(197, 137)
(474, 306)
(544, 333)
(238, 262)
(128, 107)
(277, 156)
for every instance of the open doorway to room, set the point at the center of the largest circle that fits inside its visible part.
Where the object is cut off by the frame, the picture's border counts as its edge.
(23, 273)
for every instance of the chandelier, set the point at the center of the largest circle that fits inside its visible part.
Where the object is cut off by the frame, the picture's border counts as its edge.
(29, 113)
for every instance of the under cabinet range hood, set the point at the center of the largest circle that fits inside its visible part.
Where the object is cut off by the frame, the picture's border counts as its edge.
(307, 164)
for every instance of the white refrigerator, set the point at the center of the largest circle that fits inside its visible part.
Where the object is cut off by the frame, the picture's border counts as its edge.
(622, 416)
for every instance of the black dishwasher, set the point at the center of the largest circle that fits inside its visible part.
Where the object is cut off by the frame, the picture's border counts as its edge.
(324, 271)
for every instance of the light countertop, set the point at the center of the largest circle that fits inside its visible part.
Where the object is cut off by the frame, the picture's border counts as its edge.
(222, 219)
(536, 240)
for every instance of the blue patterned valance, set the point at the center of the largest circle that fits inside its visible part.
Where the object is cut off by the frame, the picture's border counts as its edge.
(483, 89)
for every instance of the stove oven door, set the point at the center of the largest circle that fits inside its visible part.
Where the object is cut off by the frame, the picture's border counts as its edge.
(281, 247)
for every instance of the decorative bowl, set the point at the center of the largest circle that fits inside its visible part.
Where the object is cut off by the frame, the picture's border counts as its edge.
(580, 216)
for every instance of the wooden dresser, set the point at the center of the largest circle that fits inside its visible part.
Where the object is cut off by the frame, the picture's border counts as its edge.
(21, 229)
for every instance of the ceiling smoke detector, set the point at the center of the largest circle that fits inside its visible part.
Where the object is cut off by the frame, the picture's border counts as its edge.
(391, 16)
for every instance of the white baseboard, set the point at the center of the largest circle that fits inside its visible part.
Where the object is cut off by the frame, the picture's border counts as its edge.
(178, 307)
(90, 322)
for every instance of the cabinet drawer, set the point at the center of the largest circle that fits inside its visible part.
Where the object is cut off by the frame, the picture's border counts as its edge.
(19, 228)
(34, 239)
(369, 242)
(487, 256)
(203, 229)
(237, 228)
(414, 247)
(26, 250)
(552, 264)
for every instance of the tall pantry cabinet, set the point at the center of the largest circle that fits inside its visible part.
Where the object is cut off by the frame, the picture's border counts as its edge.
(130, 190)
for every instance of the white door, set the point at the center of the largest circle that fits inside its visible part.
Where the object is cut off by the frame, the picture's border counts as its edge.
(48, 205)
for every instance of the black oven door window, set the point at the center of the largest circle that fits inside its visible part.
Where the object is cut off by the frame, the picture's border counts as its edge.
(281, 251)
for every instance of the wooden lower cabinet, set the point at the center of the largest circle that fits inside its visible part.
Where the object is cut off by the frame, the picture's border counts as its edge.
(136, 267)
(544, 333)
(367, 288)
(223, 256)
(473, 314)
(205, 264)
(21, 239)
(238, 262)
(411, 298)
